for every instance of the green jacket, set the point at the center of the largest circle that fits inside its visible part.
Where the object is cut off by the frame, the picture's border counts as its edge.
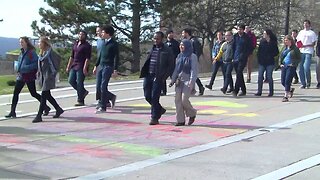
(294, 53)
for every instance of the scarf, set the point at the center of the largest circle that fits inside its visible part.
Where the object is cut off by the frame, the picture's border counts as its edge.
(185, 57)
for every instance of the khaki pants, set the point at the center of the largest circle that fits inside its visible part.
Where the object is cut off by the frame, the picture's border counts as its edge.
(183, 105)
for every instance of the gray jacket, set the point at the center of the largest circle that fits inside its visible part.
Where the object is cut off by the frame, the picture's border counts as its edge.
(46, 72)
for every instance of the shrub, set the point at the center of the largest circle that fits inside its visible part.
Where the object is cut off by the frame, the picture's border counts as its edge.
(11, 83)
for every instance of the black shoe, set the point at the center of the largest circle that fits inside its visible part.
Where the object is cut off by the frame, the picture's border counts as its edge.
(242, 94)
(163, 110)
(191, 120)
(85, 94)
(229, 90)
(58, 113)
(257, 94)
(11, 115)
(248, 81)
(295, 81)
(154, 122)
(291, 92)
(163, 94)
(180, 124)
(46, 111)
(113, 101)
(270, 94)
(234, 94)
(318, 86)
(37, 119)
(223, 90)
(201, 90)
(79, 104)
(208, 86)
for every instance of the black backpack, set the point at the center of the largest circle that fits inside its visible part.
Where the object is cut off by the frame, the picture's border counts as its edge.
(56, 60)
(197, 47)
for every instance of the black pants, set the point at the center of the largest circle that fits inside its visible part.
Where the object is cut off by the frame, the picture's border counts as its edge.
(46, 95)
(17, 89)
(215, 68)
(239, 67)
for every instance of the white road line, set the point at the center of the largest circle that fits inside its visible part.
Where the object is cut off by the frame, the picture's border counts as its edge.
(196, 149)
(71, 95)
(291, 169)
(86, 86)
(79, 107)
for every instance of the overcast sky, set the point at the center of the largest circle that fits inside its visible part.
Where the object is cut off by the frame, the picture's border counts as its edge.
(18, 15)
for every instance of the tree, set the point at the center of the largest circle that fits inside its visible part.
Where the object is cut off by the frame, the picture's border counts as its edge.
(207, 17)
(134, 20)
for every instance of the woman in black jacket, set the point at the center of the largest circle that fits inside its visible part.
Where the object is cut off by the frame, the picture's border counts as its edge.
(267, 51)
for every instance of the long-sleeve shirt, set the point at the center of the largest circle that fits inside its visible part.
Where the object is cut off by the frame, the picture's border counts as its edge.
(79, 54)
(226, 52)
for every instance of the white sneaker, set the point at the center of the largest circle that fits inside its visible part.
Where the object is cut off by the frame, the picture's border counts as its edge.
(100, 110)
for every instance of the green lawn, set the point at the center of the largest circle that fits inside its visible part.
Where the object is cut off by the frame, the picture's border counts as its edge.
(5, 88)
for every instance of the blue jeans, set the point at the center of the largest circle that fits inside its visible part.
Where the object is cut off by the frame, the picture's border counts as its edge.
(228, 81)
(103, 77)
(287, 74)
(304, 71)
(269, 72)
(152, 89)
(76, 79)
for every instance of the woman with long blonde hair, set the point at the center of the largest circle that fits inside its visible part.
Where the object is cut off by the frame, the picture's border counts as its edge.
(47, 72)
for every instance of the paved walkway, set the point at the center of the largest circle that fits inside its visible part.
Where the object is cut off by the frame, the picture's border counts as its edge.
(232, 138)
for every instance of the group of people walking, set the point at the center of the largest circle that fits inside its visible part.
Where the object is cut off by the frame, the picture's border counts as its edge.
(169, 58)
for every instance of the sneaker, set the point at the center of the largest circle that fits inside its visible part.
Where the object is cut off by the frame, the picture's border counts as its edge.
(308, 85)
(113, 101)
(285, 99)
(100, 110)
(302, 87)
(257, 94)
(295, 81)
(208, 86)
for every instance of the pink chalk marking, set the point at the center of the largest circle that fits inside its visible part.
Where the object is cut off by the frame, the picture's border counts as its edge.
(96, 152)
(9, 138)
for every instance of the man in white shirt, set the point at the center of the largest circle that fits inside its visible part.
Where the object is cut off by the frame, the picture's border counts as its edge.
(306, 40)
